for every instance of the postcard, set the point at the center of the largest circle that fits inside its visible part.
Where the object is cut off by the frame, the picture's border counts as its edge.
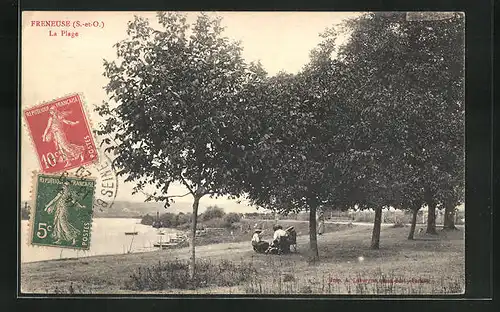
(242, 153)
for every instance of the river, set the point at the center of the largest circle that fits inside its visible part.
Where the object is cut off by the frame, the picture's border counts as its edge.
(108, 237)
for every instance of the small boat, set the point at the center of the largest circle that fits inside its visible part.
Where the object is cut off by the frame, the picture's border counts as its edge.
(133, 232)
(177, 238)
(165, 245)
(161, 232)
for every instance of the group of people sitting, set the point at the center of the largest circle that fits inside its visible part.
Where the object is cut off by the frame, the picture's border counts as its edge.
(282, 240)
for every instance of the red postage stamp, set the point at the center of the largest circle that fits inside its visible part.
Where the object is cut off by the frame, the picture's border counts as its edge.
(61, 134)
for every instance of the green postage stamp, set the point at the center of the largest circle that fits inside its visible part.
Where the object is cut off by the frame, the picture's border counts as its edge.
(62, 211)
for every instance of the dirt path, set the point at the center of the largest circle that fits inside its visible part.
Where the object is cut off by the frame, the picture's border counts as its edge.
(350, 222)
(344, 222)
(238, 249)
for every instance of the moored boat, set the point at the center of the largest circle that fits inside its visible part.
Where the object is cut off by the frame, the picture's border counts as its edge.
(165, 245)
(177, 241)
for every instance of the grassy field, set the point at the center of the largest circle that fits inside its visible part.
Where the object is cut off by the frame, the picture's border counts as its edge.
(426, 265)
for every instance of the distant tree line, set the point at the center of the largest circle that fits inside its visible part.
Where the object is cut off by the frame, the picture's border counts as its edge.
(213, 216)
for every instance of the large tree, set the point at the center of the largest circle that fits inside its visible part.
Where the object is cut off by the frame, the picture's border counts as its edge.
(285, 179)
(408, 78)
(437, 74)
(375, 56)
(437, 67)
(451, 200)
(171, 98)
(301, 149)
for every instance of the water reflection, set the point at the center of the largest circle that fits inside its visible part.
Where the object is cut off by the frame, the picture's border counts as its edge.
(108, 237)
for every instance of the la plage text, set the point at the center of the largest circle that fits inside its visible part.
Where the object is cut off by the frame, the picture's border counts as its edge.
(63, 33)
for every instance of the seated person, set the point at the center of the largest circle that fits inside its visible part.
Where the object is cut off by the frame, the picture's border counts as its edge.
(280, 239)
(258, 244)
(292, 235)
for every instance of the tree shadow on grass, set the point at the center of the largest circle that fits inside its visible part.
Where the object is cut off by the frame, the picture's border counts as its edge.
(429, 239)
(352, 253)
(389, 248)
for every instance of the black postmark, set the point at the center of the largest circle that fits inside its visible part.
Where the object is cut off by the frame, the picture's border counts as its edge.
(106, 186)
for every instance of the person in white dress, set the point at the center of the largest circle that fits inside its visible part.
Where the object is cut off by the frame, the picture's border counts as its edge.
(279, 232)
(280, 239)
(321, 223)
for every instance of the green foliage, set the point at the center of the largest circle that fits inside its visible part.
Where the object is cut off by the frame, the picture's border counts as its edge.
(148, 220)
(212, 212)
(251, 215)
(232, 217)
(381, 125)
(407, 89)
(183, 218)
(169, 219)
(302, 136)
(171, 98)
(216, 222)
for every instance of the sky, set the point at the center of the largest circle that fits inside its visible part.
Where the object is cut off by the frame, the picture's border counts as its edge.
(54, 66)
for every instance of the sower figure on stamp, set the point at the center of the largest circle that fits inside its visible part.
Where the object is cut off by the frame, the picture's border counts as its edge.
(55, 132)
(63, 229)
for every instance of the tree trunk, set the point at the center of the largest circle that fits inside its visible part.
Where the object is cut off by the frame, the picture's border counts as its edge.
(313, 239)
(431, 218)
(449, 217)
(376, 228)
(193, 237)
(413, 223)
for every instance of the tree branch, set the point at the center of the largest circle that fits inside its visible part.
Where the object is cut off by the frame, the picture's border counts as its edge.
(179, 195)
(147, 195)
(186, 184)
(166, 197)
